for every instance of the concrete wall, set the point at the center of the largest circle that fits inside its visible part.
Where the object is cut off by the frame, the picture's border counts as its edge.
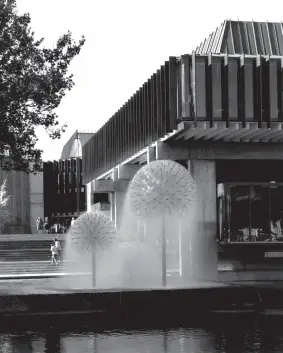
(36, 199)
(27, 203)
(18, 189)
(88, 197)
(204, 174)
(97, 207)
(119, 202)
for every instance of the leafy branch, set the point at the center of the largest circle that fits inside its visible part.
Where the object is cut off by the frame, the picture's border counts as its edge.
(33, 82)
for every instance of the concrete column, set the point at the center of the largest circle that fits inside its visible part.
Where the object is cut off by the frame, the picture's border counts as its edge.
(122, 178)
(36, 199)
(199, 252)
(112, 197)
(18, 187)
(112, 206)
(151, 154)
(119, 199)
(120, 193)
(88, 196)
(115, 174)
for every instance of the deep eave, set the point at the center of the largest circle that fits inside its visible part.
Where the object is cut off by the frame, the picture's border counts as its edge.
(231, 95)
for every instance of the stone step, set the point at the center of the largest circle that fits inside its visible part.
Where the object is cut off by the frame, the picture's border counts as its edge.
(24, 255)
(36, 267)
(38, 244)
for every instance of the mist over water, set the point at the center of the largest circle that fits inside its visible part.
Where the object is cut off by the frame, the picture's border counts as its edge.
(134, 260)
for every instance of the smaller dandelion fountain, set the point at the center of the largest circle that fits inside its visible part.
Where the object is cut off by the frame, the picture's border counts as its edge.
(91, 232)
(160, 189)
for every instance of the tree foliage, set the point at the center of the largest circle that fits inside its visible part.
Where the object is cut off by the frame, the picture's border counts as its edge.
(33, 81)
(5, 212)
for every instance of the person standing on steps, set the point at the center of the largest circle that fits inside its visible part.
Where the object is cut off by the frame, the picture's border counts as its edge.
(46, 225)
(72, 221)
(39, 225)
(54, 254)
(58, 246)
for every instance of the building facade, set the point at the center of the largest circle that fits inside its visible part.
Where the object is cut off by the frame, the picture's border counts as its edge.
(26, 201)
(57, 192)
(218, 111)
(64, 193)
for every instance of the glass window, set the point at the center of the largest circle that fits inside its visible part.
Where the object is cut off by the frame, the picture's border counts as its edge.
(240, 213)
(250, 212)
(260, 213)
(276, 212)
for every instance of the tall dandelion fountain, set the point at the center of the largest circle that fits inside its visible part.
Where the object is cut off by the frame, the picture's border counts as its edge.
(92, 232)
(159, 190)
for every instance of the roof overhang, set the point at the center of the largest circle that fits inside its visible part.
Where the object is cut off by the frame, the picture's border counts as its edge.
(235, 132)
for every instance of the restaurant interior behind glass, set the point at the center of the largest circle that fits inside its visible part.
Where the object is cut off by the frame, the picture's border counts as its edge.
(249, 200)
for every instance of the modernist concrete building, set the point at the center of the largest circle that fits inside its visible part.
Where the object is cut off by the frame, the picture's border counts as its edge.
(26, 201)
(64, 192)
(52, 193)
(218, 111)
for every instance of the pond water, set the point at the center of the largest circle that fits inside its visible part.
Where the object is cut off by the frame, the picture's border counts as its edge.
(219, 334)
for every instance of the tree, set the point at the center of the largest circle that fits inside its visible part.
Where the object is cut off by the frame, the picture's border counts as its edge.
(5, 212)
(33, 81)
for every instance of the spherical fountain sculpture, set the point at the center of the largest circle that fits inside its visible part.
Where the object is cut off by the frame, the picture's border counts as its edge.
(92, 231)
(159, 189)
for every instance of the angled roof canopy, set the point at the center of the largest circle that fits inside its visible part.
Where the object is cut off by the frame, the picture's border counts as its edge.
(244, 37)
(70, 149)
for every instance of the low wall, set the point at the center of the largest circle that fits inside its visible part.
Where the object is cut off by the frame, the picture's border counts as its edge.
(115, 306)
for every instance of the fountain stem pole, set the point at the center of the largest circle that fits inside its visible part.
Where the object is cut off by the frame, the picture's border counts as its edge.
(163, 241)
(180, 250)
(93, 266)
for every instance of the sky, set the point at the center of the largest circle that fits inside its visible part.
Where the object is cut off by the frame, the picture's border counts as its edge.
(126, 42)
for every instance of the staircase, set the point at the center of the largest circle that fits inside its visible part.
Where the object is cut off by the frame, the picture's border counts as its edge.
(26, 250)
(27, 269)
(24, 257)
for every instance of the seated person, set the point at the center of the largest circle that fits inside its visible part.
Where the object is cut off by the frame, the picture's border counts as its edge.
(247, 234)
(243, 234)
(275, 229)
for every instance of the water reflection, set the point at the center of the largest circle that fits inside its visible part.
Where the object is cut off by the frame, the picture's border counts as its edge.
(242, 335)
(16, 344)
(53, 342)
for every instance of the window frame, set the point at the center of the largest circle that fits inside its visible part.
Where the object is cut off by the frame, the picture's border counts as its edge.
(227, 200)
